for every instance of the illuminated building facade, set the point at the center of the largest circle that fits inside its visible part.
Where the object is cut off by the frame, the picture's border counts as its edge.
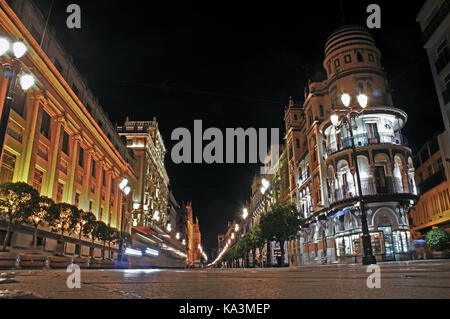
(433, 208)
(194, 239)
(322, 175)
(150, 199)
(59, 140)
(433, 159)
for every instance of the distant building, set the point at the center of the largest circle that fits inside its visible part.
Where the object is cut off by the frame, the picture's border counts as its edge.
(194, 238)
(152, 193)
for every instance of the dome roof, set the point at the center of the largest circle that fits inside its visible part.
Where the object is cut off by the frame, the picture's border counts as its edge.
(347, 36)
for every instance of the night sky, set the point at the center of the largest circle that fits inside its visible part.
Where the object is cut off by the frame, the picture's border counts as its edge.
(231, 64)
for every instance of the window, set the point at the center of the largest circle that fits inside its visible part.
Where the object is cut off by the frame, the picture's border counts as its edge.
(59, 192)
(7, 168)
(297, 141)
(37, 179)
(337, 63)
(103, 178)
(90, 205)
(372, 130)
(93, 169)
(100, 213)
(321, 111)
(65, 143)
(359, 57)
(20, 100)
(310, 116)
(81, 157)
(45, 124)
(348, 59)
(443, 54)
(371, 59)
(77, 199)
(295, 117)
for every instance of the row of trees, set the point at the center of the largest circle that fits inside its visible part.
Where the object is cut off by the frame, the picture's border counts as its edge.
(280, 224)
(21, 203)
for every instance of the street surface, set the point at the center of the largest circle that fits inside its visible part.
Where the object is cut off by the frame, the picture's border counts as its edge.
(424, 279)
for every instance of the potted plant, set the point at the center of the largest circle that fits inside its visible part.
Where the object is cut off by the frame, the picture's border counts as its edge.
(437, 240)
(15, 201)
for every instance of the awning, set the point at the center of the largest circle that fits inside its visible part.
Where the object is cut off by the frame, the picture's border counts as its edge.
(144, 230)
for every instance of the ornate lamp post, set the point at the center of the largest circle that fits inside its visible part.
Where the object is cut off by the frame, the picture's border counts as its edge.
(348, 114)
(125, 190)
(11, 69)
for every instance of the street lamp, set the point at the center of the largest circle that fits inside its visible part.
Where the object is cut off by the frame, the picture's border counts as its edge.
(368, 257)
(244, 213)
(18, 49)
(123, 186)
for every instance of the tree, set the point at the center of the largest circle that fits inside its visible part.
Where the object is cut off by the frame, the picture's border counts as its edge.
(85, 225)
(63, 218)
(112, 234)
(281, 224)
(15, 203)
(256, 241)
(39, 211)
(100, 232)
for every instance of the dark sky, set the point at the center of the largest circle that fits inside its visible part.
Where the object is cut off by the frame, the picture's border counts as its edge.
(231, 64)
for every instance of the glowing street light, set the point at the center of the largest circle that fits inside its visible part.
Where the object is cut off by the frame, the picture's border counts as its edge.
(236, 227)
(19, 49)
(362, 100)
(346, 98)
(244, 213)
(177, 236)
(4, 46)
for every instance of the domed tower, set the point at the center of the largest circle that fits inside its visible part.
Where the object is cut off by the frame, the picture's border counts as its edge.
(384, 161)
(353, 65)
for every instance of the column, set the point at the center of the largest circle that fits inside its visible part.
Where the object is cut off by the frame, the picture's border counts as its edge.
(108, 176)
(68, 195)
(25, 166)
(98, 190)
(87, 179)
(48, 187)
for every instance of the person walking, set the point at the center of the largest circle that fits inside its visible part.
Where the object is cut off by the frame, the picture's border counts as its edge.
(419, 244)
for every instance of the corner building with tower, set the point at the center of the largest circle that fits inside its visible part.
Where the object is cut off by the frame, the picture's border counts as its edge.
(322, 173)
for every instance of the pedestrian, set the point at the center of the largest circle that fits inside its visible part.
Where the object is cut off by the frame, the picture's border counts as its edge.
(419, 245)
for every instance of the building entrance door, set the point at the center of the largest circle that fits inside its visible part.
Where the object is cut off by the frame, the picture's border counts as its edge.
(388, 242)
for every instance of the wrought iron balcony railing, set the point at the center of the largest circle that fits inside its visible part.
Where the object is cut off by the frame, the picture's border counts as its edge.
(369, 187)
(365, 139)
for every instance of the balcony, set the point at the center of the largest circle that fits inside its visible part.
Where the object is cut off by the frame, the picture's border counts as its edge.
(390, 185)
(362, 140)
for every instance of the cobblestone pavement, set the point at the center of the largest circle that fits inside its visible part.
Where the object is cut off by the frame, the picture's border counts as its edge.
(428, 279)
